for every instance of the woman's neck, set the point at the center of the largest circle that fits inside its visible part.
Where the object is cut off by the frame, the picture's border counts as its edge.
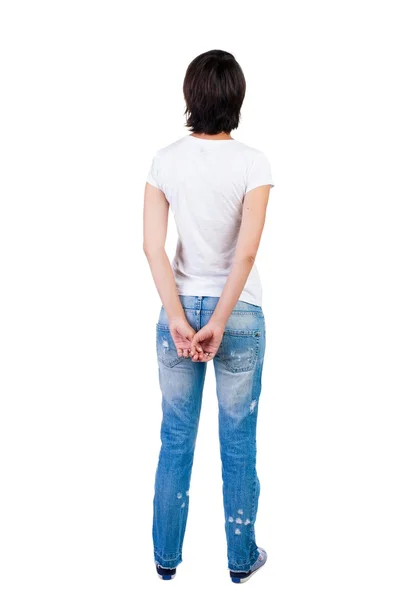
(217, 136)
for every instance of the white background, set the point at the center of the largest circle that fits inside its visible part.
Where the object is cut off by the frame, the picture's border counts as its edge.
(90, 90)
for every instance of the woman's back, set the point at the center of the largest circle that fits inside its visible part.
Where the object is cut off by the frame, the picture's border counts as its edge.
(205, 182)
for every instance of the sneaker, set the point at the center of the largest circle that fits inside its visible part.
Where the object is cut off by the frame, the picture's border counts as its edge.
(165, 573)
(241, 577)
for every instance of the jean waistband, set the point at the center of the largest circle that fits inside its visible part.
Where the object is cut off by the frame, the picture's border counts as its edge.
(210, 302)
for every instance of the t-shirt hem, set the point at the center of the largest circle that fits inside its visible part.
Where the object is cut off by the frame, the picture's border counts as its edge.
(256, 185)
(245, 296)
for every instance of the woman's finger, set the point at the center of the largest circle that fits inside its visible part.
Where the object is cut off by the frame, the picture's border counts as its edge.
(198, 356)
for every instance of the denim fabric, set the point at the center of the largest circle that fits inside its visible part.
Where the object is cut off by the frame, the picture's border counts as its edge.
(238, 368)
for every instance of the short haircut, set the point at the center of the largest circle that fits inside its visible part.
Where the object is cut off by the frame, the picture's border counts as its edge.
(214, 89)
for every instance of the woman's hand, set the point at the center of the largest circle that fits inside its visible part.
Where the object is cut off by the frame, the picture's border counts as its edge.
(182, 334)
(206, 341)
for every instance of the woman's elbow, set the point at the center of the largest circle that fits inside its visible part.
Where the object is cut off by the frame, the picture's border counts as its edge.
(152, 250)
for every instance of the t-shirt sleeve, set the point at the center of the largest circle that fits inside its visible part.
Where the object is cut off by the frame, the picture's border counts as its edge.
(153, 174)
(259, 173)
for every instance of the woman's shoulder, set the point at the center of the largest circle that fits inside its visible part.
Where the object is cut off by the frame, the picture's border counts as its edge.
(168, 149)
(251, 151)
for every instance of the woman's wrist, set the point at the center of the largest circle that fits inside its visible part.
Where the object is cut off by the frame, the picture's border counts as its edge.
(217, 322)
(177, 319)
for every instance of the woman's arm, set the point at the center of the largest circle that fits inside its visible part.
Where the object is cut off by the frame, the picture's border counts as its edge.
(155, 220)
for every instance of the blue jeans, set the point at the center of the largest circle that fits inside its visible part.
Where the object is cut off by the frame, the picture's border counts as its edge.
(238, 368)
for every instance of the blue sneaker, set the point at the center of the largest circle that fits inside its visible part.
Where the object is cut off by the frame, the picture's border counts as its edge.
(165, 573)
(241, 577)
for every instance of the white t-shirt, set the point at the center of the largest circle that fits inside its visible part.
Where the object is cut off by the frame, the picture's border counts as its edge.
(205, 182)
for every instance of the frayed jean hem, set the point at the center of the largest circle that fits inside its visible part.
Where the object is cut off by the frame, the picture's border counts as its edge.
(170, 562)
(244, 567)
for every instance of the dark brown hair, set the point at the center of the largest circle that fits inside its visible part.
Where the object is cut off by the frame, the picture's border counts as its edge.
(214, 89)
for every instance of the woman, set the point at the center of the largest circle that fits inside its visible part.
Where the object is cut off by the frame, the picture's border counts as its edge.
(218, 189)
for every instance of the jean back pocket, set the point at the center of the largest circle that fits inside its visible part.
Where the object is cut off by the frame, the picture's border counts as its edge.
(239, 349)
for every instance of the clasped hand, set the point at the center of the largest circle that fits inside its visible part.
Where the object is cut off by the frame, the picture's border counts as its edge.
(200, 346)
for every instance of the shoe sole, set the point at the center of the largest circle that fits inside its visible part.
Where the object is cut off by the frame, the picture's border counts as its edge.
(167, 577)
(244, 579)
